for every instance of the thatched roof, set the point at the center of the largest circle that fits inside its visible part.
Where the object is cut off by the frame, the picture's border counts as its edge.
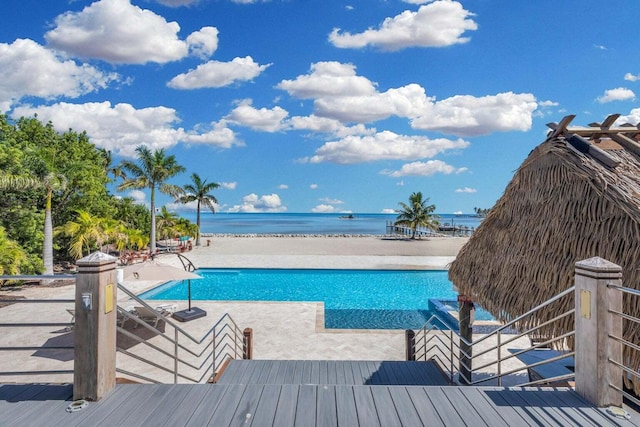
(576, 196)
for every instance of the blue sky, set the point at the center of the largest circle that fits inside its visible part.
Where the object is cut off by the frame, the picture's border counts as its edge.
(321, 105)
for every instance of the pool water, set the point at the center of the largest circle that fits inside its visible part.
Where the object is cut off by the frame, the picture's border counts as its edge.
(353, 299)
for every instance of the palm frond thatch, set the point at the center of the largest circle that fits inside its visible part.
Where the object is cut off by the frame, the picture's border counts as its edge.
(561, 207)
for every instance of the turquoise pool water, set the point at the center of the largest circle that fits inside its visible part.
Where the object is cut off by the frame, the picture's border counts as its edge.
(353, 299)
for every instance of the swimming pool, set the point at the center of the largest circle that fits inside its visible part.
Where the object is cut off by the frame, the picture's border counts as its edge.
(353, 299)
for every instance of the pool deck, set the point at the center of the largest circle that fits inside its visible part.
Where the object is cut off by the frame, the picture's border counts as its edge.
(281, 330)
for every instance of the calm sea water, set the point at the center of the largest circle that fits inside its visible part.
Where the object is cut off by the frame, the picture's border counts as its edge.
(308, 223)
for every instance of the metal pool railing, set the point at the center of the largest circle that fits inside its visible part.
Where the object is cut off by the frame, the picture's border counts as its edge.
(50, 340)
(178, 356)
(628, 369)
(488, 358)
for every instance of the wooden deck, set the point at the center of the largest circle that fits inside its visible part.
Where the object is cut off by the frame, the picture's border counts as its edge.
(301, 405)
(332, 372)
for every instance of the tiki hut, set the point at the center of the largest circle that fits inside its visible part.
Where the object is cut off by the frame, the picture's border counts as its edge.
(576, 196)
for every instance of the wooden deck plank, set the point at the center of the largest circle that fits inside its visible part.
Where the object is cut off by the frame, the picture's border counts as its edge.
(404, 406)
(156, 398)
(346, 412)
(139, 399)
(263, 371)
(265, 412)
(447, 412)
(383, 374)
(274, 373)
(287, 404)
(534, 397)
(527, 407)
(367, 415)
(246, 375)
(247, 406)
(225, 409)
(424, 408)
(323, 377)
(348, 372)
(510, 416)
(307, 406)
(385, 407)
(44, 404)
(169, 406)
(288, 372)
(306, 373)
(104, 408)
(326, 413)
(298, 372)
(465, 409)
(575, 408)
(197, 408)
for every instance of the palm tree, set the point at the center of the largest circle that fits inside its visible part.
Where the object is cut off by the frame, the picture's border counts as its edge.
(51, 183)
(86, 232)
(198, 191)
(151, 171)
(166, 223)
(417, 213)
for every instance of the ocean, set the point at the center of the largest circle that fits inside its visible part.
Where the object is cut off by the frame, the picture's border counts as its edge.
(308, 223)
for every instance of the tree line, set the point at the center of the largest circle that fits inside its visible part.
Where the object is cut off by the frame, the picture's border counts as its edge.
(55, 202)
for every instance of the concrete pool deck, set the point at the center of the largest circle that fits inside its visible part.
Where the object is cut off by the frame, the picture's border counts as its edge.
(281, 330)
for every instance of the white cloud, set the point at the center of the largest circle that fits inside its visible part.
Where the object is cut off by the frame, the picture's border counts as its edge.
(400, 183)
(139, 197)
(441, 23)
(385, 145)
(458, 213)
(204, 42)
(29, 69)
(617, 94)
(633, 118)
(327, 125)
(330, 201)
(283, 187)
(545, 104)
(229, 185)
(466, 115)
(632, 77)
(214, 74)
(329, 78)
(265, 203)
(323, 209)
(466, 190)
(263, 119)
(313, 186)
(388, 211)
(339, 94)
(121, 127)
(177, 3)
(118, 32)
(428, 168)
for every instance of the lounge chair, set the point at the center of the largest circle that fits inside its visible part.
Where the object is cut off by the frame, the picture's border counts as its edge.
(152, 316)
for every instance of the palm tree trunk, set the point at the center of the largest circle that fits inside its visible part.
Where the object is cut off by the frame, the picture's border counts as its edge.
(198, 224)
(47, 246)
(152, 243)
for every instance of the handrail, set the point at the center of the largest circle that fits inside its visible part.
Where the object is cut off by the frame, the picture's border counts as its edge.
(448, 349)
(29, 346)
(223, 341)
(630, 373)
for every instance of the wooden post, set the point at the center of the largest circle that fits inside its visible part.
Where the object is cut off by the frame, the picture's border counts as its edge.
(248, 343)
(594, 323)
(95, 327)
(410, 338)
(466, 333)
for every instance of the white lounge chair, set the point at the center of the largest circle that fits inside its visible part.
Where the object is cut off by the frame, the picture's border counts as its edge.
(152, 316)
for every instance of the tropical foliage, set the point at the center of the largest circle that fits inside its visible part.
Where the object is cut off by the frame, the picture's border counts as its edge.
(481, 212)
(418, 213)
(199, 191)
(55, 204)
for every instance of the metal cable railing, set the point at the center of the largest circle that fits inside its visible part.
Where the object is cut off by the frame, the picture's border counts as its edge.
(630, 374)
(487, 357)
(53, 347)
(187, 358)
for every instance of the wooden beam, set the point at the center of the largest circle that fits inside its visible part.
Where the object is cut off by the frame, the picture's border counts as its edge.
(559, 128)
(627, 143)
